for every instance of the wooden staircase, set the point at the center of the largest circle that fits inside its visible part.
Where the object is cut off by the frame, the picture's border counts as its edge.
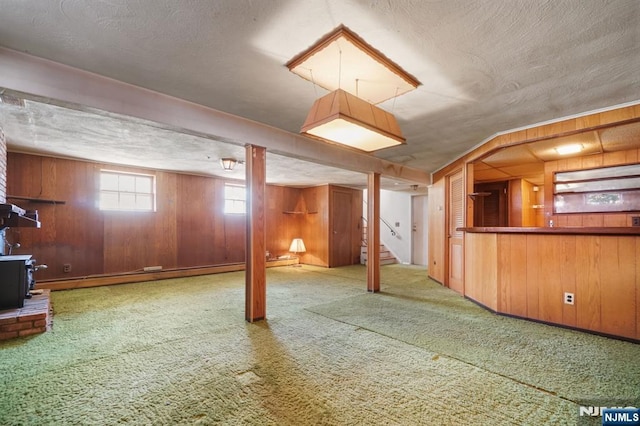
(386, 257)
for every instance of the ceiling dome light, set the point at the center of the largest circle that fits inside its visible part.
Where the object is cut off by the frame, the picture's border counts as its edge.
(573, 148)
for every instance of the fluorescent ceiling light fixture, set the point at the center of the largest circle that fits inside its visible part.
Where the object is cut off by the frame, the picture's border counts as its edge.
(343, 60)
(569, 149)
(345, 119)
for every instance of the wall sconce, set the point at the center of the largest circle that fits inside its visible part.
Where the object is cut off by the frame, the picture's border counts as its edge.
(229, 163)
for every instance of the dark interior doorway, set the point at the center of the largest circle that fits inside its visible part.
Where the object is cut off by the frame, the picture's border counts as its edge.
(491, 204)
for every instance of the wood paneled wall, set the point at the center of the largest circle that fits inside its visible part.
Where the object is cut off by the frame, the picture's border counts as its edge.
(315, 225)
(522, 199)
(481, 270)
(601, 271)
(73, 232)
(527, 275)
(282, 225)
(188, 228)
(581, 163)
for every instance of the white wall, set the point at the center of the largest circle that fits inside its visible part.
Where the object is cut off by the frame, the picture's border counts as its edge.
(395, 207)
(420, 230)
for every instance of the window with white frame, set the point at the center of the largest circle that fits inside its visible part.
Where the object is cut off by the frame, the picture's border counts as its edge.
(235, 199)
(127, 191)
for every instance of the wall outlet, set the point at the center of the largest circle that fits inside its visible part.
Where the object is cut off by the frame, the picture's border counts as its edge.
(569, 298)
(635, 220)
(66, 267)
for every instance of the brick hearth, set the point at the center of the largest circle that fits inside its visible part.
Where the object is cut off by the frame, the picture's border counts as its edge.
(33, 318)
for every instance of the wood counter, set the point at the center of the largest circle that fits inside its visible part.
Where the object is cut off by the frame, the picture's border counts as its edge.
(526, 272)
(572, 230)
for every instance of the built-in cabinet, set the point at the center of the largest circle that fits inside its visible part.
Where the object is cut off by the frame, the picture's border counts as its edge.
(607, 159)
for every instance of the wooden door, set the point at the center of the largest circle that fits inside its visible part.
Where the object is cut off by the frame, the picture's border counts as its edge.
(455, 219)
(341, 229)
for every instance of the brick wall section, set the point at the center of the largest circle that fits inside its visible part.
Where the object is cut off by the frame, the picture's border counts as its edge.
(33, 318)
(3, 181)
(3, 167)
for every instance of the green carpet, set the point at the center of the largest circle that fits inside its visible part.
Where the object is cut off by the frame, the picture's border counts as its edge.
(179, 352)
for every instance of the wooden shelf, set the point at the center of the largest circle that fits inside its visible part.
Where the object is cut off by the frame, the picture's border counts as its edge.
(15, 221)
(35, 200)
(13, 216)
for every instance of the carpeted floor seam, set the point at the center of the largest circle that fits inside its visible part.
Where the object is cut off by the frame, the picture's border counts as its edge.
(180, 352)
(537, 388)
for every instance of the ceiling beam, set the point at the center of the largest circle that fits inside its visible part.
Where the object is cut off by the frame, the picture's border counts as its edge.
(74, 87)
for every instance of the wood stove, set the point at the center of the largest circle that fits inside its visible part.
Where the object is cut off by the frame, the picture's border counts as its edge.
(16, 271)
(16, 280)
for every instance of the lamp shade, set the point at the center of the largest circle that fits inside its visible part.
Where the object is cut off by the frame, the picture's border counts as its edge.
(343, 118)
(297, 246)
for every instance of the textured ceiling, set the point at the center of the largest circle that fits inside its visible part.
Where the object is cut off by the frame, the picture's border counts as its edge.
(110, 138)
(485, 66)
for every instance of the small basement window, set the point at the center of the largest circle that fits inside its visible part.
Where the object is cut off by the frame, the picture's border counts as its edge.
(127, 191)
(235, 199)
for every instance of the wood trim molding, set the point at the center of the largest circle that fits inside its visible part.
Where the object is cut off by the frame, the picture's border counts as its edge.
(137, 277)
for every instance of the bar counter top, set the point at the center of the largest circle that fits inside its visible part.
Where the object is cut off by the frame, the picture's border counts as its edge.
(575, 230)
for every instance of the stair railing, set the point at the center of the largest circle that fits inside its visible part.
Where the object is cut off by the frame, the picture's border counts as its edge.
(364, 227)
